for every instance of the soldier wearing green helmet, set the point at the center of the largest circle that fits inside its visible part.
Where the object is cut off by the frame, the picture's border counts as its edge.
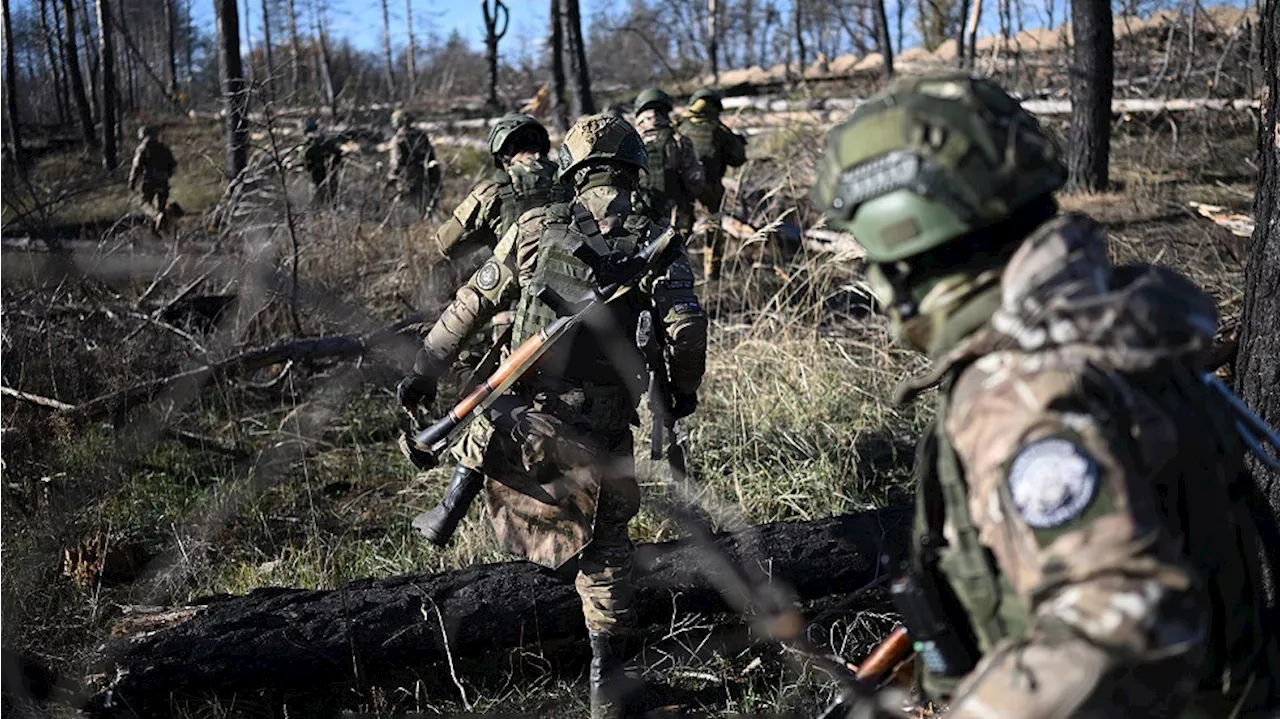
(413, 172)
(718, 148)
(563, 484)
(674, 176)
(1082, 546)
(149, 174)
(523, 178)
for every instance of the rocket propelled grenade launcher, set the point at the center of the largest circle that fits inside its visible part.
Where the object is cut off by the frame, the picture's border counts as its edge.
(615, 274)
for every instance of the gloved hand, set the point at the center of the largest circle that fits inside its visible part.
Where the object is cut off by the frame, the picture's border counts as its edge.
(683, 404)
(416, 392)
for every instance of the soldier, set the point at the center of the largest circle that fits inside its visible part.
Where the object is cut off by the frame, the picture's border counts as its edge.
(1082, 544)
(413, 172)
(153, 166)
(321, 155)
(523, 178)
(674, 178)
(565, 477)
(718, 148)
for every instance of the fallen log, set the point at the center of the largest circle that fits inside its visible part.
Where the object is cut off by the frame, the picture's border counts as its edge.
(294, 640)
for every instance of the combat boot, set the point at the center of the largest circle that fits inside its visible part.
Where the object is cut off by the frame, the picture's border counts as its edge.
(609, 683)
(439, 523)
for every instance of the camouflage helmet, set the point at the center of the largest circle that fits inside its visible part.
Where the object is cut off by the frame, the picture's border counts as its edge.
(146, 131)
(654, 97)
(600, 138)
(711, 100)
(310, 125)
(512, 123)
(931, 159)
(400, 118)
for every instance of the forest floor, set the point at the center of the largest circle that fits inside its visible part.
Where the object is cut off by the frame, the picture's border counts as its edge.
(795, 421)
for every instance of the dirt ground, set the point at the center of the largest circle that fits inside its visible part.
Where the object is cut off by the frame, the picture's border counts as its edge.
(174, 500)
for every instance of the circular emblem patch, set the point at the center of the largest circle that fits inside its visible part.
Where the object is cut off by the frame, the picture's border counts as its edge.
(487, 277)
(1052, 482)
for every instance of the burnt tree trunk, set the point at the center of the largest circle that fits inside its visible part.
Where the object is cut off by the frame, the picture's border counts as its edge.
(410, 55)
(324, 69)
(106, 51)
(1258, 367)
(798, 22)
(713, 39)
(1092, 77)
(559, 109)
(77, 80)
(386, 52)
(293, 639)
(268, 79)
(586, 104)
(234, 90)
(14, 137)
(295, 47)
(91, 57)
(883, 43)
(495, 26)
(171, 47)
(55, 64)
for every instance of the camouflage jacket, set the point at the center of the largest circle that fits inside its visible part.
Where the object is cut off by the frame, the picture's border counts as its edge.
(412, 159)
(482, 217)
(546, 481)
(674, 170)
(1101, 553)
(716, 146)
(153, 164)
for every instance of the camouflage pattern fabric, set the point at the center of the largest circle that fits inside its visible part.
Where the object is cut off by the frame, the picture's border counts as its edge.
(1101, 485)
(717, 148)
(476, 220)
(149, 174)
(677, 160)
(412, 171)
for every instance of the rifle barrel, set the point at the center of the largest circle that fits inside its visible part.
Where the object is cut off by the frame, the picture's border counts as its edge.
(885, 656)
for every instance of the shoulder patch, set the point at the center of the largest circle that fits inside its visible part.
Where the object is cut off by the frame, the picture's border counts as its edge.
(487, 277)
(1052, 482)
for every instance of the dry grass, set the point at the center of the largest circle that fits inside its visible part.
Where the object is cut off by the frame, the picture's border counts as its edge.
(303, 487)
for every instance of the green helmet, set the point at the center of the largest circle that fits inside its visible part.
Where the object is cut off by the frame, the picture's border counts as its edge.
(931, 159)
(600, 138)
(509, 125)
(712, 98)
(400, 118)
(146, 131)
(654, 97)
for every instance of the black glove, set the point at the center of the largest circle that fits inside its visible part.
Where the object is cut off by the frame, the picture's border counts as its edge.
(416, 392)
(683, 404)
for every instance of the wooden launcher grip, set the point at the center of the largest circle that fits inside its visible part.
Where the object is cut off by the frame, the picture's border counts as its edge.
(885, 656)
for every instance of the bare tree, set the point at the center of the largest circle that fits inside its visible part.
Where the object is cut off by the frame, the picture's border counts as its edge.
(495, 27)
(1257, 370)
(234, 90)
(883, 42)
(1092, 76)
(269, 66)
(107, 52)
(171, 38)
(11, 88)
(586, 104)
(410, 53)
(91, 56)
(324, 63)
(59, 92)
(73, 70)
(295, 47)
(713, 39)
(556, 42)
(386, 51)
(797, 18)
(968, 50)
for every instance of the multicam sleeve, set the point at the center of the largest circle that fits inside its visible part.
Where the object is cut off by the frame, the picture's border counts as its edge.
(489, 290)
(684, 324)
(1059, 497)
(473, 221)
(135, 169)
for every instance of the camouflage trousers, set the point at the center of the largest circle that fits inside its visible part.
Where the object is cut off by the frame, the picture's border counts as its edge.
(154, 197)
(567, 488)
(714, 247)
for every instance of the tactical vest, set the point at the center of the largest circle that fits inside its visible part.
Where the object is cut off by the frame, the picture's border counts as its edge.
(1204, 509)
(660, 183)
(703, 136)
(583, 356)
(521, 189)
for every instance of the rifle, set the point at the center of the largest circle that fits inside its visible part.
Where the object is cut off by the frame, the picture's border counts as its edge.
(887, 656)
(615, 276)
(650, 343)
